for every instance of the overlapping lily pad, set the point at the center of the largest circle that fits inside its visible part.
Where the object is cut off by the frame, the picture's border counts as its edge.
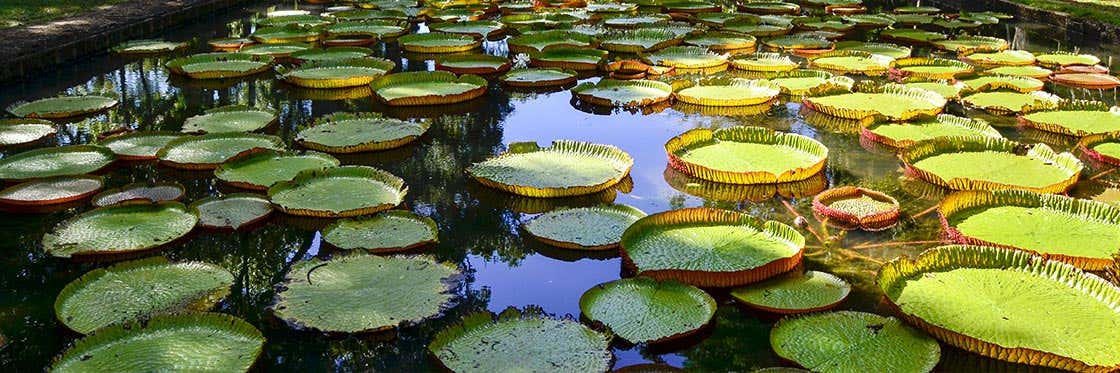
(949, 89)
(764, 62)
(338, 192)
(1009, 103)
(566, 168)
(18, 132)
(624, 93)
(579, 59)
(584, 228)
(746, 155)
(66, 160)
(710, 247)
(728, 92)
(641, 309)
(437, 42)
(905, 134)
(812, 291)
(337, 73)
(206, 152)
(260, 170)
(50, 191)
(427, 88)
(544, 40)
(63, 106)
(120, 229)
(234, 118)
(219, 65)
(362, 293)
(848, 341)
(387, 232)
(1040, 301)
(852, 62)
(989, 163)
(930, 68)
(142, 145)
(640, 40)
(232, 211)
(140, 193)
(140, 289)
(359, 132)
(525, 340)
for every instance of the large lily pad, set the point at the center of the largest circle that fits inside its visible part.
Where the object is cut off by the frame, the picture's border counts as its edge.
(894, 102)
(990, 163)
(427, 88)
(646, 310)
(479, 64)
(912, 36)
(57, 161)
(544, 40)
(235, 118)
(567, 168)
(852, 62)
(1026, 71)
(521, 341)
(140, 289)
(1086, 80)
(746, 155)
(232, 211)
(278, 50)
(729, 92)
(809, 292)
(905, 134)
(1001, 58)
(332, 54)
(481, 29)
(579, 59)
(287, 34)
(584, 228)
(259, 170)
(894, 51)
(338, 192)
(337, 73)
(538, 77)
(1062, 59)
(764, 62)
(202, 342)
(63, 106)
(1009, 103)
(17, 132)
(382, 29)
(437, 42)
(687, 57)
(387, 232)
(148, 47)
(995, 82)
(51, 191)
(723, 41)
(359, 132)
(625, 93)
(811, 82)
(1019, 307)
(1074, 118)
(360, 292)
(206, 152)
(139, 145)
(1080, 232)
(120, 229)
(140, 192)
(949, 89)
(848, 341)
(930, 68)
(710, 247)
(219, 65)
(640, 40)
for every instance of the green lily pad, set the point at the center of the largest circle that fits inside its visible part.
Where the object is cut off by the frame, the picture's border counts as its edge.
(382, 29)
(201, 342)
(232, 211)
(905, 134)
(769, 7)
(521, 341)
(767, 62)
(757, 29)
(120, 229)
(275, 50)
(286, 34)
(907, 35)
(427, 88)
(945, 88)
(359, 132)
(360, 293)
(219, 65)
(480, 64)
(1001, 102)
(787, 42)
(305, 20)
(544, 40)
(646, 310)
(140, 289)
(746, 155)
(478, 29)
(879, 20)
(340, 73)
(1062, 59)
(567, 168)
(332, 54)
(139, 145)
(50, 191)
(584, 228)
(1002, 58)
(437, 42)
(235, 118)
(972, 44)
(338, 192)
(148, 46)
(729, 92)
(1039, 303)
(987, 163)
(538, 77)
(63, 106)
(810, 292)
(387, 232)
(722, 41)
(710, 247)
(1015, 83)
(624, 93)
(852, 62)
(811, 83)
(1075, 118)
(140, 192)
(894, 102)
(205, 152)
(640, 40)
(930, 68)
(57, 161)
(260, 170)
(17, 132)
(579, 59)
(848, 341)
(1024, 71)
(685, 57)
(635, 21)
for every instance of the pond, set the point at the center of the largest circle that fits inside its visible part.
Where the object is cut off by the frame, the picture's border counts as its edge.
(479, 228)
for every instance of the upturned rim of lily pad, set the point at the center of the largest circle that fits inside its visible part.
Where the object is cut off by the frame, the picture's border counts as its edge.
(608, 153)
(1066, 162)
(699, 137)
(371, 67)
(4, 201)
(259, 64)
(1063, 105)
(375, 174)
(581, 92)
(406, 78)
(450, 43)
(876, 221)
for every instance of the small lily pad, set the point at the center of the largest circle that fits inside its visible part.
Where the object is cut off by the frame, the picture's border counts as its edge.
(232, 211)
(235, 118)
(338, 192)
(584, 228)
(809, 292)
(641, 309)
(387, 232)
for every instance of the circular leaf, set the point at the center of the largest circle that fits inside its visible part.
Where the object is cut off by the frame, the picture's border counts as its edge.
(645, 310)
(810, 292)
(847, 341)
(120, 229)
(584, 228)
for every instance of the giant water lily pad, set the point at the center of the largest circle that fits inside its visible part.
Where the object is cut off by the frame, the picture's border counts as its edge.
(364, 293)
(1062, 59)
(51, 191)
(1019, 308)
(232, 211)
(851, 207)
(746, 155)
(17, 132)
(584, 228)
(641, 40)
(481, 29)
(479, 64)
(913, 36)
(206, 152)
(567, 168)
(765, 62)
(949, 89)
(338, 192)
(359, 132)
(995, 82)
(139, 145)
(1079, 232)
(332, 54)
(1008, 103)
(809, 292)
(905, 134)
(202, 342)
(894, 102)
(235, 118)
(140, 192)
(337, 73)
(279, 50)
(811, 83)
(729, 92)
(1025, 71)
(140, 289)
(646, 310)
(991, 163)
(848, 341)
(427, 88)
(57, 161)
(1001, 58)
(521, 341)
(852, 62)
(219, 65)
(1074, 118)
(1101, 147)
(710, 247)
(63, 106)
(545, 40)
(625, 93)
(1086, 80)
(579, 59)
(893, 51)
(687, 57)
(148, 47)
(930, 68)
(437, 42)
(259, 170)
(386, 232)
(287, 34)
(383, 29)
(120, 229)
(538, 77)
(723, 41)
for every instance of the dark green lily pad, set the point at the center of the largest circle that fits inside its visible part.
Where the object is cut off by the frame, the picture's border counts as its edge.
(139, 145)
(338, 192)
(57, 161)
(848, 341)
(359, 132)
(387, 232)
(120, 229)
(205, 152)
(584, 228)
(235, 118)
(232, 211)
(63, 106)
(260, 170)
(641, 309)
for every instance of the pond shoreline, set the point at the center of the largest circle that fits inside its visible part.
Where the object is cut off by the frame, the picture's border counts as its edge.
(37, 48)
(1078, 30)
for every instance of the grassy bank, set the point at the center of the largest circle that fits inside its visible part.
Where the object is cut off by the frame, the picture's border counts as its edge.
(1107, 11)
(24, 12)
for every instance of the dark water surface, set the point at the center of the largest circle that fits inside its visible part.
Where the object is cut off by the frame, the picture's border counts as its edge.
(479, 228)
